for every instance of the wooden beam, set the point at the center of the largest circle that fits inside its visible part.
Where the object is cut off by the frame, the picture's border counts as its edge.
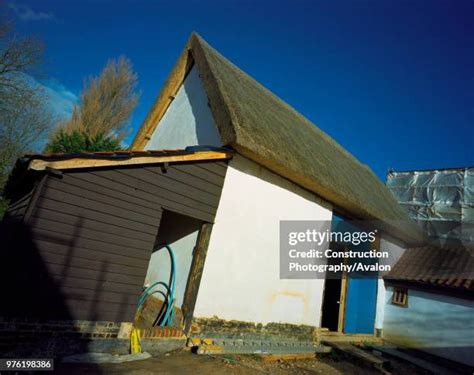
(342, 299)
(164, 99)
(195, 275)
(77, 163)
(354, 338)
(342, 304)
(34, 198)
(441, 366)
(352, 351)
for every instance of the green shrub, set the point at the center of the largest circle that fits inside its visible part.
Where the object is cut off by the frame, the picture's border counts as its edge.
(77, 141)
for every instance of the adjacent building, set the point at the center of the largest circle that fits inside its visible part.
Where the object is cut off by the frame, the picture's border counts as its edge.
(430, 299)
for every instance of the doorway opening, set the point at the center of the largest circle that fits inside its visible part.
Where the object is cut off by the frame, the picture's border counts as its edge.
(168, 271)
(334, 304)
(349, 301)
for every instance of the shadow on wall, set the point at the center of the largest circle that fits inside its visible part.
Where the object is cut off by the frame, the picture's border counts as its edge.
(437, 324)
(35, 321)
(207, 133)
(180, 232)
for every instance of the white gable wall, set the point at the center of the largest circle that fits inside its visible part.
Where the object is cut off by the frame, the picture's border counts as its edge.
(241, 274)
(245, 234)
(188, 120)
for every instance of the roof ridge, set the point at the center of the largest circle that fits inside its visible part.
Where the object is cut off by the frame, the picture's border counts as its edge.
(327, 137)
(197, 41)
(267, 130)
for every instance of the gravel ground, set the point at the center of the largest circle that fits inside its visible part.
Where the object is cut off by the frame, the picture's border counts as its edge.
(183, 362)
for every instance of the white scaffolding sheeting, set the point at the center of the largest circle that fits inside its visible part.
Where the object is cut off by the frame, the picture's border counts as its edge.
(441, 201)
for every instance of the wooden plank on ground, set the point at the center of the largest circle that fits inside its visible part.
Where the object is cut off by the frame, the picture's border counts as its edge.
(349, 338)
(422, 363)
(355, 352)
(286, 357)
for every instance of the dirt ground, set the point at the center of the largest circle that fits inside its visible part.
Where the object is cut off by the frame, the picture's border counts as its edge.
(183, 362)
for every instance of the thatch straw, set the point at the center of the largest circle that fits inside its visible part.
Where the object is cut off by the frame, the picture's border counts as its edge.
(265, 129)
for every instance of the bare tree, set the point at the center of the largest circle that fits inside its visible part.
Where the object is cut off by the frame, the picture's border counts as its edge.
(21, 130)
(106, 103)
(19, 59)
(24, 117)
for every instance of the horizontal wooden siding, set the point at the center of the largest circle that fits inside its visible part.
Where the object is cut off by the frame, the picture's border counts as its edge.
(95, 229)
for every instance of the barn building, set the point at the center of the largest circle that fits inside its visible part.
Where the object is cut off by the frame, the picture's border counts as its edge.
(217, 164)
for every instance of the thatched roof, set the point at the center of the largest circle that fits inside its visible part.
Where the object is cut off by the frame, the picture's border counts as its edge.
(263, 128)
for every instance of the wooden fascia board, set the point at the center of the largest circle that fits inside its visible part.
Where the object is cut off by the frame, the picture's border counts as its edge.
(78, 163)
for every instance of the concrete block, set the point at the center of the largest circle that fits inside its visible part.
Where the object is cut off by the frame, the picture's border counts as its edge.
(193, 341)
(125, 330)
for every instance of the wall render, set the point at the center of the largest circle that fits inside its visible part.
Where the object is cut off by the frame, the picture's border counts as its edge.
(241, 273)
(188, 121)
(395, 250)
(438, 324)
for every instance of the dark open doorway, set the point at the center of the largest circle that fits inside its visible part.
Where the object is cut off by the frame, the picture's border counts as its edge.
(331, 304)
(333, 307)
(168, 271)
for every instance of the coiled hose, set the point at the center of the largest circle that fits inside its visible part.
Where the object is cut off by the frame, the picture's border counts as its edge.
(166, 317)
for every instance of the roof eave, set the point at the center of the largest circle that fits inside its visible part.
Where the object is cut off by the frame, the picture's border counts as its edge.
(39, 164)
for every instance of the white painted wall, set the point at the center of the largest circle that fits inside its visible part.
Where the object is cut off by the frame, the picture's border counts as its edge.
(395, 250)
(160, 266)
(188, 120)
(241, 273)
(438, 324)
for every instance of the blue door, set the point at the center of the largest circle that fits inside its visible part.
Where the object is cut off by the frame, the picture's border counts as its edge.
(361, 299)
(361, 292)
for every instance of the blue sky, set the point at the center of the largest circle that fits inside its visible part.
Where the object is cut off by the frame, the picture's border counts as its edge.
(391, 81)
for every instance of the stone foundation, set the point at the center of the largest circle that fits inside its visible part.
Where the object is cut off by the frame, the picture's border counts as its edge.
(219, 328)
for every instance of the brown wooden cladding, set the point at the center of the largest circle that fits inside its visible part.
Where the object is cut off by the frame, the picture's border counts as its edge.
(95, 229)
(18, 209)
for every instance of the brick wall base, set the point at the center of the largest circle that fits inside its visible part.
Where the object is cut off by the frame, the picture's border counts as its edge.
(30, 338)
(36, 338)
(161, 332)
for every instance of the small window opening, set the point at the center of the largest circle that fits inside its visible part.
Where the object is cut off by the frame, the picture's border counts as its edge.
(400, 297)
